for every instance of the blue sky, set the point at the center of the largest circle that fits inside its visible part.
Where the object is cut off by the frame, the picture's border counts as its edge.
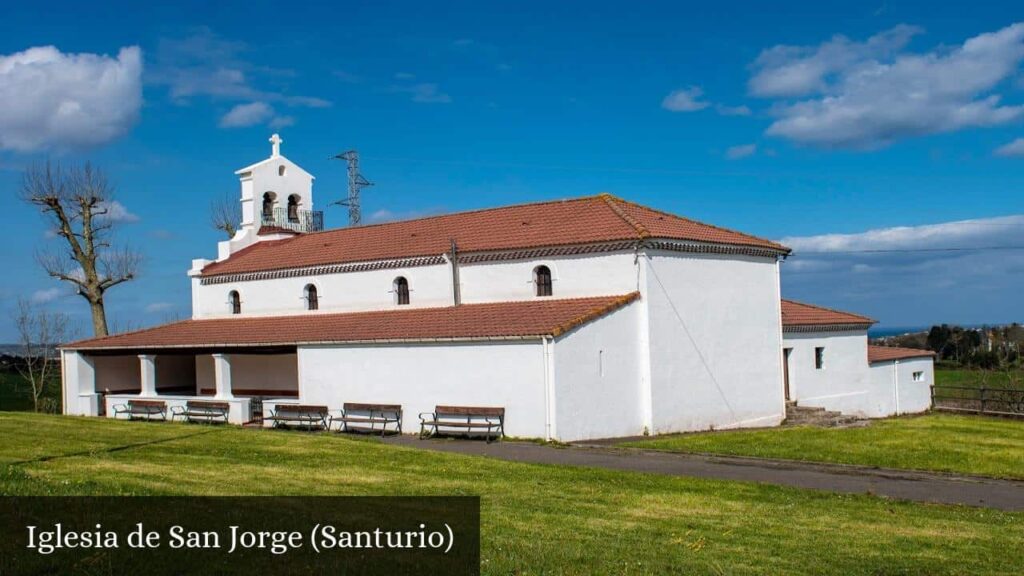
(824, 125)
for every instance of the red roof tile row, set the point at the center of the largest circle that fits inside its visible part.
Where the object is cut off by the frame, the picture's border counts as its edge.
(469, 321)
(888, 353)
(593, 219)
(801, 314)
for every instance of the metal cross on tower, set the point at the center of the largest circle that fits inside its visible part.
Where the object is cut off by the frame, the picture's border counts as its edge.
(356, 182)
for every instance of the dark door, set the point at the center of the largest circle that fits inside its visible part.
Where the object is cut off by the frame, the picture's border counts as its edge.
(785, 369)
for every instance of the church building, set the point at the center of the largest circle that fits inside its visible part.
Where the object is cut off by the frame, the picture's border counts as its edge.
(584, 318)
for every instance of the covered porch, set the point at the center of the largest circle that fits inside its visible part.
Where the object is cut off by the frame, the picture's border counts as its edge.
(250, 380)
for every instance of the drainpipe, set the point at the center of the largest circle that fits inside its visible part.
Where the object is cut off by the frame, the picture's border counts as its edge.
(782, 338)
(548, 346)
(896, 385)
(456, 288)
(644, 345)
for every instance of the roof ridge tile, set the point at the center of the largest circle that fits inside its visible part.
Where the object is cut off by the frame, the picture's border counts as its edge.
(612, 202)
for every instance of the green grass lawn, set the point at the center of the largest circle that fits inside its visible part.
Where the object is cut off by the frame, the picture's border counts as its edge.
(536, 519)
(949, 443)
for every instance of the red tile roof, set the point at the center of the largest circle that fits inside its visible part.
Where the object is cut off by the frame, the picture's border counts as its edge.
(469, 321)
(888, 353)
(587, 220)
(800, 314)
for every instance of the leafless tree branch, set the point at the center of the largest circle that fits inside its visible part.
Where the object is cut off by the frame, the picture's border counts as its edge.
(39, 334)
(226, 215)
(76, 203)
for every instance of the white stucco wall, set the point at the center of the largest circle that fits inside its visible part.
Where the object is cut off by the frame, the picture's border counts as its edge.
(597, 378)
(78, 381)
(571, 277)
(844, 384)
(715, 341)
(421, 376)
(429, 286)
(895, 389)
(266, 177)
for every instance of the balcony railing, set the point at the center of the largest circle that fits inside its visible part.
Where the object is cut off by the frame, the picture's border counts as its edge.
(296, 220)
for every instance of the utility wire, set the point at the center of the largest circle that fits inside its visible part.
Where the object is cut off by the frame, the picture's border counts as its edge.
(908, 250)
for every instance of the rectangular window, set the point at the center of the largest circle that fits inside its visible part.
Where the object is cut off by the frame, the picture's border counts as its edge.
(819, 358)
(918, 376)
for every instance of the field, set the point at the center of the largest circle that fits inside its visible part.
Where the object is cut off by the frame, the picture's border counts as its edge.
(978, 378)
(978, 445)
(536, 519)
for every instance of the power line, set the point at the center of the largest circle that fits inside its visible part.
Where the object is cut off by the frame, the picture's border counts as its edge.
(909, 250)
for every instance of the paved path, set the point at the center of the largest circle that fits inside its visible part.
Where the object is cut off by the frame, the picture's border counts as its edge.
(898, 484)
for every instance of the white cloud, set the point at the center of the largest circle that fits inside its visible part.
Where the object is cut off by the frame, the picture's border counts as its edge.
(691, 100)
(867, 95)
(800, 70)
(732, 110)
(282, 121)
(1015, 149)
(427, 93)
(247, 115)
(117, 212)
(53, 100)
(253, 113)
(159, 307)
(47, 295)
(741, 151)
(915, 275)
(685, 100)
(385, 215)
(347, 77)
(959, 234)
(205, 64)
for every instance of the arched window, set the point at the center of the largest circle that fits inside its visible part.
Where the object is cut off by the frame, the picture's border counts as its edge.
(280, 170)
(401, 291)
(312, 299)
(542, 278)
(293, 208)
(268, 206)
(235, 301)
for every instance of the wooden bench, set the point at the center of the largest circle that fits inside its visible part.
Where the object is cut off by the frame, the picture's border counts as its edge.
(301, 415)
(202, 411)
(463, 420)
(365, 417)
(143, 409)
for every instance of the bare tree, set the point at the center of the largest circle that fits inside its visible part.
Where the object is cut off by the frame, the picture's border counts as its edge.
(78, 203)
(39, 334)
(226, 214)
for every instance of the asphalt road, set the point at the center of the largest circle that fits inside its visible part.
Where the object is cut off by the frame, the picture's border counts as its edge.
(897, 484)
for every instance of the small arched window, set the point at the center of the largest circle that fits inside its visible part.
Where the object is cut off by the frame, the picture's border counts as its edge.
(401, 291)
(268, 205)
(312, 299)
(281, 170)
(293, 208)
(235, 301)
(542, 278)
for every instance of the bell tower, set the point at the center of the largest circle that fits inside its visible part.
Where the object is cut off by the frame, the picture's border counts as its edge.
(277, 195)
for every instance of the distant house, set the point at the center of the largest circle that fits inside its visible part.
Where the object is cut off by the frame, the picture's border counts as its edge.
(828, 363)
(584, 318)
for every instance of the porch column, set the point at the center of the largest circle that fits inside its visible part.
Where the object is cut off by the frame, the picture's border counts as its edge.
(222, 375)
(148, 374)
